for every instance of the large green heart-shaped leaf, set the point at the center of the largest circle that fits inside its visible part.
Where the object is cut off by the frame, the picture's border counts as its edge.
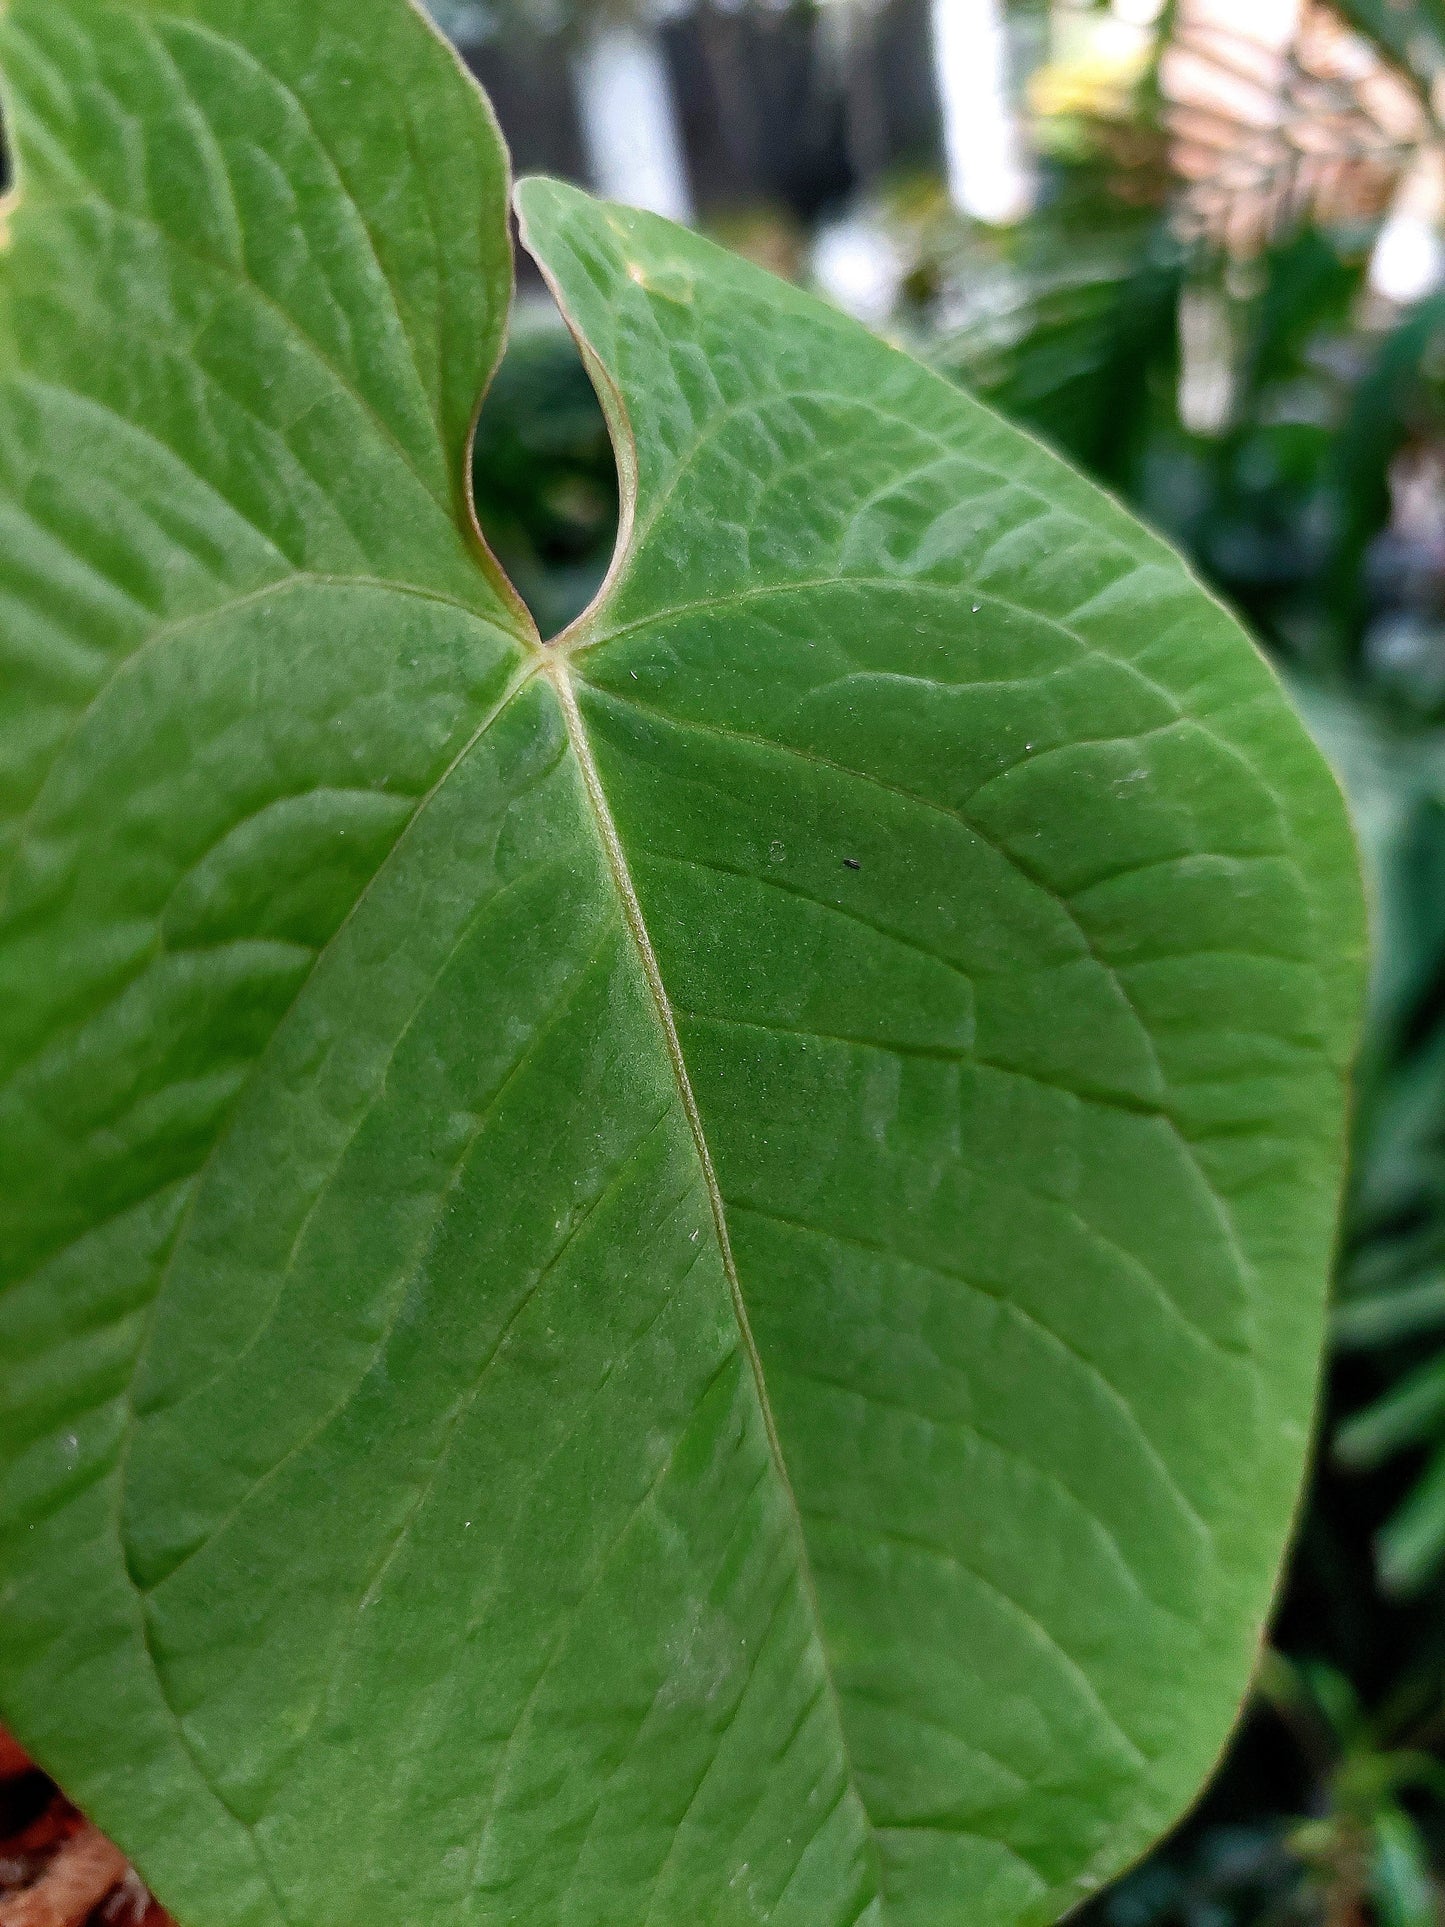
(668, 1279)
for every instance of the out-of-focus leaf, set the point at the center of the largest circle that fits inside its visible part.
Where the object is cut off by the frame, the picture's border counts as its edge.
(1385, 1317)
(1409, 1412)
(1066, 338)
(1394, 778)
(1400, 1884)
(1412, 1542)
(1374, 429)
(1400, 1162)
(1411, 33)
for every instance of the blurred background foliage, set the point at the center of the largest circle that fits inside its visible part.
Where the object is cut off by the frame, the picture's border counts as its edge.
(1197, 247)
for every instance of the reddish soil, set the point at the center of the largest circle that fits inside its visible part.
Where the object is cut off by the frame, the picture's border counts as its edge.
(56, 1869)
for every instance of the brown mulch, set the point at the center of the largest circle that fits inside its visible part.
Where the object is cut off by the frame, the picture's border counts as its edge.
(56, 1869)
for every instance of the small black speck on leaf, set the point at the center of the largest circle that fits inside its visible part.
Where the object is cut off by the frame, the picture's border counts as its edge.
(851, 863)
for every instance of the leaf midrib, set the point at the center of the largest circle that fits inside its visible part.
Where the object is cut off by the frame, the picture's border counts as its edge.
(557, 670)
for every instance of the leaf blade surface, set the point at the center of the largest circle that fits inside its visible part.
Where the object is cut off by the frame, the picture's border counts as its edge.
(996, 894)
(561, 1364)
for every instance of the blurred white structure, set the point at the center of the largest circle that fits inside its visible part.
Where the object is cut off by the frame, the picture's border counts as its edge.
(858, 264)
(1408, 261)
(1206, 361)
(629, 122)
(988, 173)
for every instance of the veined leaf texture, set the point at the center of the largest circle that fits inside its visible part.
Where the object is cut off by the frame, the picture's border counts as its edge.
(672, 1278)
